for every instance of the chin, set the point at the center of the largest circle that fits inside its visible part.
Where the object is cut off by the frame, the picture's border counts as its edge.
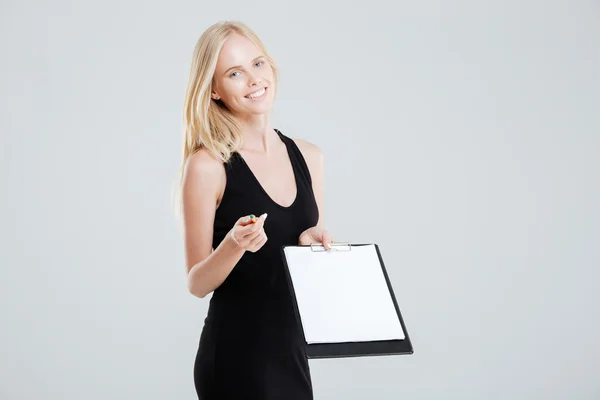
(259, 112)
(258, 109)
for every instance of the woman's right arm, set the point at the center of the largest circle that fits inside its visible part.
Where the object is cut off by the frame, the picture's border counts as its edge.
(203, 183)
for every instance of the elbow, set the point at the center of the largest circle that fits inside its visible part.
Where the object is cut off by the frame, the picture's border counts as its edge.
(199, 295)
(195, 289)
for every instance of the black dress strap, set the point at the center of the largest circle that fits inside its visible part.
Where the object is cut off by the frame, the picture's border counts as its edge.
(296, 157)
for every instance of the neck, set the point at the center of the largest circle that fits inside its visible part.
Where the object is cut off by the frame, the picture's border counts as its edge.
(259, 136)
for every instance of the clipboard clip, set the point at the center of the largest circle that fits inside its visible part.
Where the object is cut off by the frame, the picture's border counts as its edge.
(334, 246)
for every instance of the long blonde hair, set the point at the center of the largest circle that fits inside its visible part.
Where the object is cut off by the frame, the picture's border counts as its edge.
(208, 123)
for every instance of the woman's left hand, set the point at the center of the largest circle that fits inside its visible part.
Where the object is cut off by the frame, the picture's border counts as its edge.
(316, 234)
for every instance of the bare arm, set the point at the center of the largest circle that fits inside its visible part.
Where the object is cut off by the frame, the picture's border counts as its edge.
(204, 180)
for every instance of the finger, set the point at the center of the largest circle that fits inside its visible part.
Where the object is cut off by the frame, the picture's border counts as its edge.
(245, 221)
(253, 227)
(259, 238)
(326, 240)
(251, 230)
(252, 236)
(258, 241)
(262, 242)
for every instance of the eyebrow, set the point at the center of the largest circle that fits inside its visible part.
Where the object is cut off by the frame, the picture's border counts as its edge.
(239, 66)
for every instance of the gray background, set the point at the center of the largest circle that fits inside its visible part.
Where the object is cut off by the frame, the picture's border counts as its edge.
(462, 137)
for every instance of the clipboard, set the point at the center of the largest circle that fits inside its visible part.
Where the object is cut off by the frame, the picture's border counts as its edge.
(344, 302)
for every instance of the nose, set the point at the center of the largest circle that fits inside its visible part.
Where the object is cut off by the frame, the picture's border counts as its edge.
(254, 80)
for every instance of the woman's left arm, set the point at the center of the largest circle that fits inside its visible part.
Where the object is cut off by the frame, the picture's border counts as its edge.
(316, 165)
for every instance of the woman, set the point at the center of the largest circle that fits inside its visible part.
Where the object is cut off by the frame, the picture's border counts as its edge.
(236, 165)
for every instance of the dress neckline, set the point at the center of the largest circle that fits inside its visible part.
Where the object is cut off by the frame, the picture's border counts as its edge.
(294, 168)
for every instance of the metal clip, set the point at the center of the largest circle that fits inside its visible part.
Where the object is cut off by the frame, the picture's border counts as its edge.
(334, 246)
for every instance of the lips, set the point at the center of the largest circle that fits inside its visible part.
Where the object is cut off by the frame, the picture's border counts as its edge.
(257, 93)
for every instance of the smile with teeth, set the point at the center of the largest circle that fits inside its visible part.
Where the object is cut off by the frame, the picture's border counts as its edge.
(257, 94)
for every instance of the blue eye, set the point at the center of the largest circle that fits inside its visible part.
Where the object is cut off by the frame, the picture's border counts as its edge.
(256, 64)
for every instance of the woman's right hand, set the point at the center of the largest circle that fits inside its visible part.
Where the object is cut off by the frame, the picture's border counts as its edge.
(249, 235)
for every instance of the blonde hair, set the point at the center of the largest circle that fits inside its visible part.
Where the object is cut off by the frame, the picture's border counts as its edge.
(208, 123)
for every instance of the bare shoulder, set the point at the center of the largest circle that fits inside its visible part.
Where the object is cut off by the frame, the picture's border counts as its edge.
(204, 175)
(202, 161)
(311, 152)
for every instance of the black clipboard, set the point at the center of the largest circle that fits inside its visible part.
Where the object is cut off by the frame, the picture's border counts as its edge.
(354, 348)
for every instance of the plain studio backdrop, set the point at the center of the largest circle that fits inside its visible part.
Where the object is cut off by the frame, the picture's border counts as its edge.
(461, 137)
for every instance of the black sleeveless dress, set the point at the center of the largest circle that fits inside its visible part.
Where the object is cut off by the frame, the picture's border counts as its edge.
(251, 344)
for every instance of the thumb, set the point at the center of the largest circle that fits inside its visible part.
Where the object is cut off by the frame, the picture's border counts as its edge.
(326, 240)
(247, 220)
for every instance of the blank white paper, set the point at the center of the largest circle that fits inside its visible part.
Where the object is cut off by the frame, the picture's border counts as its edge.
(342, 295)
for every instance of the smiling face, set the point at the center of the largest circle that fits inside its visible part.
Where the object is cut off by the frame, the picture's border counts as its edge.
(243, 79)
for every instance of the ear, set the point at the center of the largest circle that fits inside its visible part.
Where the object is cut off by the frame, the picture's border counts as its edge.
(214, 95)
